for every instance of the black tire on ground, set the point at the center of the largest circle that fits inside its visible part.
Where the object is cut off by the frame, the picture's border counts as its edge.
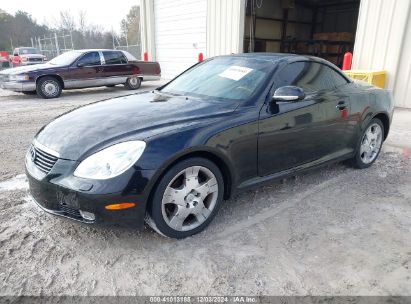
(359, 161)
(210, 201)
(133, 83)
(30, 93)
(48, 87)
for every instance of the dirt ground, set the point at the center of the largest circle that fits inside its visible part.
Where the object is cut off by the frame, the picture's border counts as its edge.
(333, 231)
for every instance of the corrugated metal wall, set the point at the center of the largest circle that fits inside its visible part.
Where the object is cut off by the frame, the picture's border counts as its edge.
(383, 42)
(180, 34)
(172, 29)
(225, 27)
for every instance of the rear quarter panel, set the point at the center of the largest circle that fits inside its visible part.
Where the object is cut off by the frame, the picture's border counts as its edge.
(365, 103)
(148, 68)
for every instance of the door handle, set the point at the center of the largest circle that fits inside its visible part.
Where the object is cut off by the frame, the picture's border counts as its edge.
(341, 105)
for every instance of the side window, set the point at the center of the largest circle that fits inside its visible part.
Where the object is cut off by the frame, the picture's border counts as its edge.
(338, 79)
(310, 76)
(123, 57)
(92, 58)
(114, 57)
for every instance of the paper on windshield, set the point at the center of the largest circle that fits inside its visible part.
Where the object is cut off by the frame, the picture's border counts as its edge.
(235, 72)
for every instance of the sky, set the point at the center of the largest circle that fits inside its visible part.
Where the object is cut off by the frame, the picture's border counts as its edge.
(107, 14)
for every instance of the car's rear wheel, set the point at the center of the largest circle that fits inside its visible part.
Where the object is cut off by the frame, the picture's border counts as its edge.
(186, 199)
(370, 145)
(48, 87)
(133, 83)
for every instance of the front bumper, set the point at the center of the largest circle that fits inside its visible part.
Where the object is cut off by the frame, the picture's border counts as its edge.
(60, 193)
(17, 86)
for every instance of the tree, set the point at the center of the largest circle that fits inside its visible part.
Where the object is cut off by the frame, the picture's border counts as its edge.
(5, 30)
(67, 21)
(82, 21)
(20, 28)
(130, 26)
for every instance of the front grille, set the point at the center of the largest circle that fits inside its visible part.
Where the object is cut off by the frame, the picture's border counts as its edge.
(70, 211)
(43, 160)
(35, 59)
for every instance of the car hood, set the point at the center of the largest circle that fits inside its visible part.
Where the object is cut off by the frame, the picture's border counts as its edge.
(27, 68)
(83, 131)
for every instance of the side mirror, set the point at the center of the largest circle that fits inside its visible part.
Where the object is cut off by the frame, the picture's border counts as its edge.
(81, 64)
(289, 94)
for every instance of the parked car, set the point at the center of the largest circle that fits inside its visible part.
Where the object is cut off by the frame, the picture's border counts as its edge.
(27, 56)
(230, 123)
(80, 69)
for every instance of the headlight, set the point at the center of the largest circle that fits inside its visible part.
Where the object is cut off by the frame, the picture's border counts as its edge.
(111, 161)
(19, 77)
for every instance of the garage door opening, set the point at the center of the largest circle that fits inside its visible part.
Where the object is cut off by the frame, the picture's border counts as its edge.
(322, 28)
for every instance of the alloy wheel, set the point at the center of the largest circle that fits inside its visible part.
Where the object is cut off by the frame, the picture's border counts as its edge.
(189, 198)
(50, 88)
(134, 81)
(371, 143)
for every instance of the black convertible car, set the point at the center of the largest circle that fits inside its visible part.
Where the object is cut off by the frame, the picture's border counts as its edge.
(171, 156)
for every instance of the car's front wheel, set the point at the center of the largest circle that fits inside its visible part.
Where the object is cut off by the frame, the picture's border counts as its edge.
(49, 87)
(370, 145)
(186, 199)
(133, 83)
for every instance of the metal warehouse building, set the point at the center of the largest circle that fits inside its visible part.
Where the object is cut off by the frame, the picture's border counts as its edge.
(378, 32)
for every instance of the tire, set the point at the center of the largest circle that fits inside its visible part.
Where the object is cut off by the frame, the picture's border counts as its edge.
(133, 83)
(48, 87)
(29, 93)
(186, 198)
(369, 146)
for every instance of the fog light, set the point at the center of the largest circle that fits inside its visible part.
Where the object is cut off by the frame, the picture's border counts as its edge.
(120, 206)
(87, 215)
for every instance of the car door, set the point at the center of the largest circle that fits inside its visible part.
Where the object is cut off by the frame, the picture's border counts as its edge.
(85, 72)
(292, 134)
(116, 68)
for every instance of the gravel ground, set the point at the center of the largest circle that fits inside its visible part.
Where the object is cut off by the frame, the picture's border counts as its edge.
(333, 231)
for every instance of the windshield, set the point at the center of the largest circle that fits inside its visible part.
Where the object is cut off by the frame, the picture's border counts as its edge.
(65, 58)
(24, 51)
(225, 77)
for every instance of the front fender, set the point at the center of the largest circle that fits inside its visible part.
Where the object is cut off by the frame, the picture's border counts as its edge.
(231, 141)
